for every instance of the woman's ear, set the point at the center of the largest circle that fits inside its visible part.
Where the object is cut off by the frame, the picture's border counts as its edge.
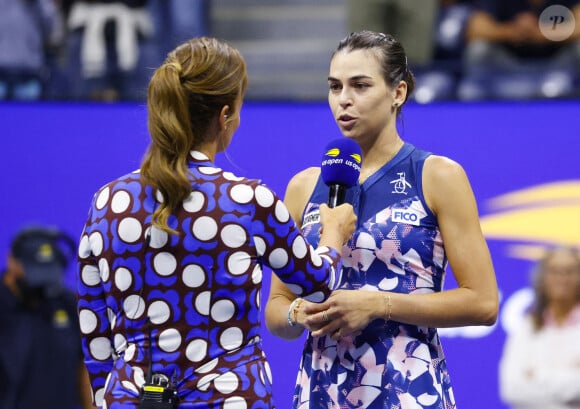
(400, 94)
(223, 117)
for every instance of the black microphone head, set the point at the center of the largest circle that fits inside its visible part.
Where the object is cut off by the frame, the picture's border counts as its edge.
(341, 162)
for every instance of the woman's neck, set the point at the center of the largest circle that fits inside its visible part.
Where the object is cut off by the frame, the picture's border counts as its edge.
(377, 155)
(208, 149)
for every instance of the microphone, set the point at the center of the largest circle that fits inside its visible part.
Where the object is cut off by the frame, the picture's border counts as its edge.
(340, 168)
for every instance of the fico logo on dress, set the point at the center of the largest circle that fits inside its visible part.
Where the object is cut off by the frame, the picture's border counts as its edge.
(406, 216)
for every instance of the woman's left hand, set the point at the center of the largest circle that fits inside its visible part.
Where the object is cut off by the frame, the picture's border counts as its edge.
(344, 313)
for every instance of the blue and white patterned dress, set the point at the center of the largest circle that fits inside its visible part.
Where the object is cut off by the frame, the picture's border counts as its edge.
(190, 301)
(396, 247)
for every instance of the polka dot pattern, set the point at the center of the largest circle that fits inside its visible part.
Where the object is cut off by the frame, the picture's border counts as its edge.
(169, 340)
(242, 193)
(88, 321)
(205, 228)
(234, 236)
(223, 310)
(100, 348)
(278, 258)
(120, 202)
(123, 279)
(196, 350)
(264, 196)
(164, 263)
(194, 203)
(195, 294)
(158, 238)
(159, 312)
(130, 230)
(194, 275)
(102, 198)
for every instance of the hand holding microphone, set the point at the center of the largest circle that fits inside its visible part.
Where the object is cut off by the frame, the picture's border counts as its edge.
(340, 170)
(338, 222)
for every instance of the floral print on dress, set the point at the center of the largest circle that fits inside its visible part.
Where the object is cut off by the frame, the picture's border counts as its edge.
(390, 365)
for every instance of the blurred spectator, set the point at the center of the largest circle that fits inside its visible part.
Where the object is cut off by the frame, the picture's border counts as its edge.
(175, 22)
(105, 41)
(520, 49)
(113, 45)
(412, 22)
(432, 33)
(40, 347)
(179, 20)
(540, 365)
(439, 79)
(30, 30)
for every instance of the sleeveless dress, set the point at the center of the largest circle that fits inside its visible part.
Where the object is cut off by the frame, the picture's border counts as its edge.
(397, 247)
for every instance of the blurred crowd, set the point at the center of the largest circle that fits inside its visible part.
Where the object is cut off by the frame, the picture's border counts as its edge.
(104, 50)
(101, 50)
(482, 49)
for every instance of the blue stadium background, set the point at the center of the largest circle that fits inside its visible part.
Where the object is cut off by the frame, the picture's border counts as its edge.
(522, 159)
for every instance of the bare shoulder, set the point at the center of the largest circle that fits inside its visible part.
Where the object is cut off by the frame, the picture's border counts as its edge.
(307, 174)
(299, 189)
(303, 181)
(444, 179)
(437, 166)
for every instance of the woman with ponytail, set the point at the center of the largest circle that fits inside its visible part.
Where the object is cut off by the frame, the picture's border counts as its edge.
(170, 258)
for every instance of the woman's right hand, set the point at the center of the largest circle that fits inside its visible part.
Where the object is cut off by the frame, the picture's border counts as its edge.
(338, 224)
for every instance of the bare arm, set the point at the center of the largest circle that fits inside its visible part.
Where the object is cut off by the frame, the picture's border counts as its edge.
(85, 394)
(449, 194)
(474, 302)
(298, 191)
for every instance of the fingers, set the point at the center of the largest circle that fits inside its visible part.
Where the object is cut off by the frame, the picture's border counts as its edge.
(318, 318)
(326, 325)
(314, 308)
(326, 322)
(334, 330)
(335, 317)
(325, 330)
(321, 323)
(344, 214)
(311, 308)
(310, 316)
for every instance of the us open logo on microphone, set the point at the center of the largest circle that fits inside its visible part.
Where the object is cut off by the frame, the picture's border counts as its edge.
(354, 160)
